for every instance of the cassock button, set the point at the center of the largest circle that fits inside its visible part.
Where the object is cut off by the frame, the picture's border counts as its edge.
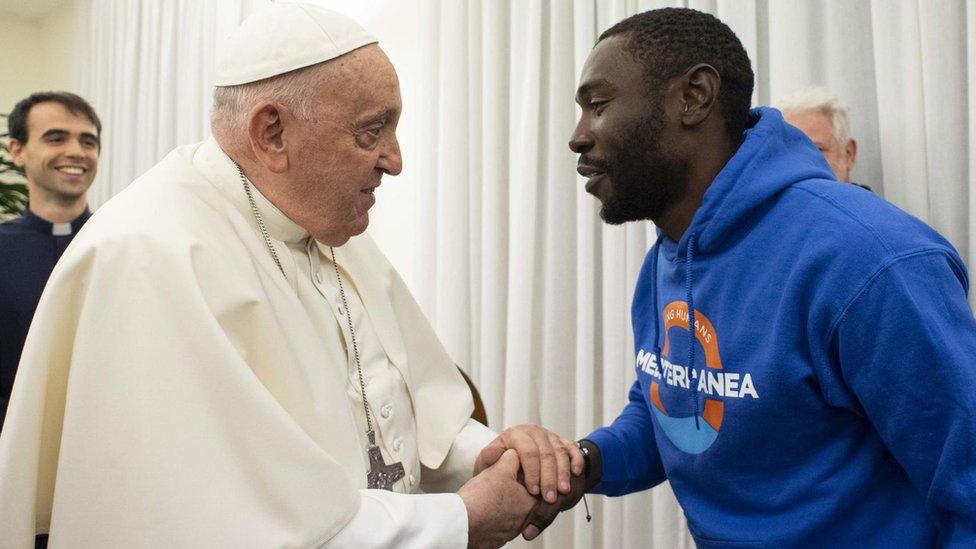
(397, 444)
(387, 411)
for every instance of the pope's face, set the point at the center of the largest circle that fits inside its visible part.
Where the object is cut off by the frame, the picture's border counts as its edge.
(60, 156)
(347, 147)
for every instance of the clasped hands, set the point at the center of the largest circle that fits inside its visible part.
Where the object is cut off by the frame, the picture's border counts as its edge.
(523, 479)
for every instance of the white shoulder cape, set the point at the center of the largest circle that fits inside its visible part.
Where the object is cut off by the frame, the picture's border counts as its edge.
(171, 392)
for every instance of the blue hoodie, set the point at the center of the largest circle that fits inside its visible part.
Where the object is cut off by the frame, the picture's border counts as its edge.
(832, 397)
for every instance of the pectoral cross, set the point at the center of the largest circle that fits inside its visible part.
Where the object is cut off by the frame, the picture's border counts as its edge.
(380, 474)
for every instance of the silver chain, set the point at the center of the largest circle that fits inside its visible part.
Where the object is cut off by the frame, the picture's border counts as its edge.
(355, 349)
(259, 219)
(370, 434)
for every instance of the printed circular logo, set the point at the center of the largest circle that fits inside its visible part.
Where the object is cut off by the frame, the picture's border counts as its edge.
(695, 433)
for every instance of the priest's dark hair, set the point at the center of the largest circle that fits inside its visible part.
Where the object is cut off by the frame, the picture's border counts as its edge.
(670, 41)
(17, 120)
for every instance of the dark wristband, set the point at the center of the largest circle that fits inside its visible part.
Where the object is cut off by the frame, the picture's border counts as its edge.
(592, 463)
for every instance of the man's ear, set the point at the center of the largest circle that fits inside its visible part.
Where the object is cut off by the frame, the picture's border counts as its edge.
(264, 129)
(16, 149)
(850, 151)
(700, 85)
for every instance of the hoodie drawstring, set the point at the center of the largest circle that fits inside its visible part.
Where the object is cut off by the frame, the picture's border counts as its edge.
(689, 257)
(689, 299)
(654, 309)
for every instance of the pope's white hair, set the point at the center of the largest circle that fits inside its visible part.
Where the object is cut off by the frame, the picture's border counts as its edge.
(823, 101)
(294, 90)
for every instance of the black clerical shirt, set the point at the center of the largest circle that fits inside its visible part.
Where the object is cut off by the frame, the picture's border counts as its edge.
(29, 248)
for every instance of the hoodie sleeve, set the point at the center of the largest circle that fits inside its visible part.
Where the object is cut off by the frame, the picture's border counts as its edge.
(906, 346)
(631, 462)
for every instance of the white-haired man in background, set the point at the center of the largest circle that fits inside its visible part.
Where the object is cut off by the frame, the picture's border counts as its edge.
(824, 118)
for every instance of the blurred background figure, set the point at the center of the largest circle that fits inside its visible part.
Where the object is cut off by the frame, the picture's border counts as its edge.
(54, 139)
(824, 118)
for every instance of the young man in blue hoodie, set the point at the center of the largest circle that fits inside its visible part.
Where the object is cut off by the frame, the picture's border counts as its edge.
(829, 392)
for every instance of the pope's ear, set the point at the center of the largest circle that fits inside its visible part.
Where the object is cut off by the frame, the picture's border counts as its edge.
(265, 129)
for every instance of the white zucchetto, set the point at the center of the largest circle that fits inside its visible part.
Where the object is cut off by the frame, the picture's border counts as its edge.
(283, 37)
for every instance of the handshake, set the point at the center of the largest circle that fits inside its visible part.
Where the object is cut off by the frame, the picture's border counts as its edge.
(523, 479)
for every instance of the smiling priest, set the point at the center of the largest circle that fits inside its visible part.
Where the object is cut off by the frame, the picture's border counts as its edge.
(223, 359)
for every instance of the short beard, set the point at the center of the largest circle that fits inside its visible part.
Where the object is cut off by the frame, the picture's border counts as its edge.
(646, 179)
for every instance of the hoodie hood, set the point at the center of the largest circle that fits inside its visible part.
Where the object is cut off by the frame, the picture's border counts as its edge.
(773, 156)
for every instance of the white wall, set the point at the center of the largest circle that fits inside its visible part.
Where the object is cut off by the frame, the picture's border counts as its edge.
(38, 53)
(21, 59)
(60, 34)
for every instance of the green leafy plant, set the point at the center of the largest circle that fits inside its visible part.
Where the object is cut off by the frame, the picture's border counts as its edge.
(13, 181)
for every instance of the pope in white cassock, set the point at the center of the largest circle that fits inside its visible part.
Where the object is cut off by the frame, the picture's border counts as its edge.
(219, 361)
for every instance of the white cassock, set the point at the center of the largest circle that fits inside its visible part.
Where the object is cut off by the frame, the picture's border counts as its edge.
(177, 391)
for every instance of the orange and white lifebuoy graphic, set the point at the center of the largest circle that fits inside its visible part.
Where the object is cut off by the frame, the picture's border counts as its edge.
(687, 433)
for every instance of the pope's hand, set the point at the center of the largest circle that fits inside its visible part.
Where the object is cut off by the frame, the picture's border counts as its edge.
(547, 460)
(497, 503)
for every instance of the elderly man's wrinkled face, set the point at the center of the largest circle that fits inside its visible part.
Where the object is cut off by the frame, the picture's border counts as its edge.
(820, 129)
(347, 147)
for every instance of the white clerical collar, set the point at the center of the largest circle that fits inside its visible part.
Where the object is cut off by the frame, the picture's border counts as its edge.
(221, 171)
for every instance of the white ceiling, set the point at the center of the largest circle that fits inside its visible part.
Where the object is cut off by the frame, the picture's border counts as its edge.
(31, 9)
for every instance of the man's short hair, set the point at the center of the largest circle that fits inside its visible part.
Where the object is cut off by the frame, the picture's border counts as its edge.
(295, 89)
(670, 41)
(17, 120)
(823, 101)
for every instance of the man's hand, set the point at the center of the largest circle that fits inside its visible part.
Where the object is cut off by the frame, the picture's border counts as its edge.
(497, 503)
(544, 513)
(547, 460)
